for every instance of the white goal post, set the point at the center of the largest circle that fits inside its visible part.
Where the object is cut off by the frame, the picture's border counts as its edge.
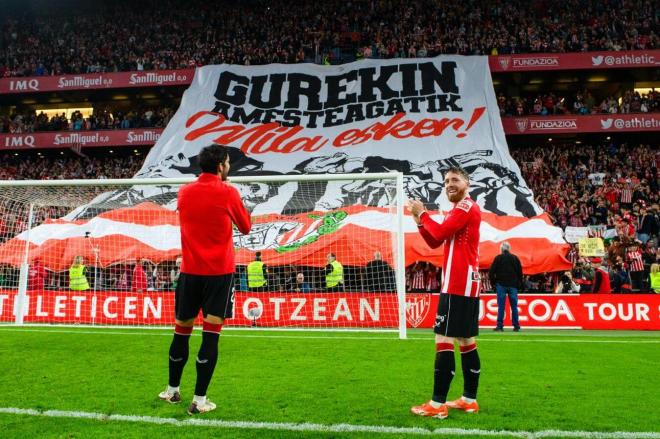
(106, 252)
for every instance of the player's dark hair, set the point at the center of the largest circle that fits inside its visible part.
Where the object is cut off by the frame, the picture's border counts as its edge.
(460, 171)
(257, 256)
(212, 156)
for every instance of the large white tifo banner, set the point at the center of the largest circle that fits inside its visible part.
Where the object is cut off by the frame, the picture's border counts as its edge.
(417, 116)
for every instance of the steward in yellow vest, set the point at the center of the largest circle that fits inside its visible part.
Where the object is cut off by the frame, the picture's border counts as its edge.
(334, 274)
(654, 277)
(77, 279)
(256, 274)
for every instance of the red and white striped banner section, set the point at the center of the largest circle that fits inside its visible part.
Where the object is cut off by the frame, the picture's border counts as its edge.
(361, 310)
(149, 231)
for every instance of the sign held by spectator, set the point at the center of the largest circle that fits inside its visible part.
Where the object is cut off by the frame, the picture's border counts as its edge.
(591, 247)
(575, 234)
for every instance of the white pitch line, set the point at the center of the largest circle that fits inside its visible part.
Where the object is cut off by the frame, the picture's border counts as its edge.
(227, 328)
(326, 428)
(555, 331)
(531, 331)
(512, 339)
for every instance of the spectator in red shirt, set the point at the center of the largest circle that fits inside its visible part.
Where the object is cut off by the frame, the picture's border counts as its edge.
(139, 278)
(36, 275)
(601, 283)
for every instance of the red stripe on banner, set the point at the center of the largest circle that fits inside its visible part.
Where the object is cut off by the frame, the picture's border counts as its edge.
(351, 244)
(444, 347)
(537, 255)
(57, 254)
(147, 213)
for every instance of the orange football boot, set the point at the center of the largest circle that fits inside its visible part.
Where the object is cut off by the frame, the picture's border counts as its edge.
(427, 409)
(461, 404)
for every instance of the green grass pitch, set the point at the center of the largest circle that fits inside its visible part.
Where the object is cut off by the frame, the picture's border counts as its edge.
(532, 382)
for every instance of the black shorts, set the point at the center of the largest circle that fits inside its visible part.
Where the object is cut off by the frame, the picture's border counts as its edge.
(212, 294)
(457, 316)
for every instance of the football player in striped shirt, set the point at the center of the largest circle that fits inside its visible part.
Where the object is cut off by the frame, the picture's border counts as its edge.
(457, 317)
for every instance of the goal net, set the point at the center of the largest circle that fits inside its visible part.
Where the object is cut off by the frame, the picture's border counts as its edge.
(325, 251)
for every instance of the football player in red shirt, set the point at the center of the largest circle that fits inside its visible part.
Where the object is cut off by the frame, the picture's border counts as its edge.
(207, 209)
(457, 317)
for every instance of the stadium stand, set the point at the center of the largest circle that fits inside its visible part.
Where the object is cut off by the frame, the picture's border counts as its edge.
(582, 103)
(174, 34)
(101, 119)
(42, 167)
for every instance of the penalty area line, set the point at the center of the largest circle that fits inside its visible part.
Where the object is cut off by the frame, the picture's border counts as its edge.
(323, 428)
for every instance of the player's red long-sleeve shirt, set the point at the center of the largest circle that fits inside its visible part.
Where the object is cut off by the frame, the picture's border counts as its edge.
(460, 234)
(207, 209)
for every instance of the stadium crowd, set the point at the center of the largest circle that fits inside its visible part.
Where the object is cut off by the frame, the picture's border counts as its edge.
(101, 119)
(593, 184)
(15, 167)
(613, 188)
(171, 34)
(582, 103)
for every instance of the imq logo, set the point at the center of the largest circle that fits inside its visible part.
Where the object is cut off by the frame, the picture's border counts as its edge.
(19, 141)
(24, 85)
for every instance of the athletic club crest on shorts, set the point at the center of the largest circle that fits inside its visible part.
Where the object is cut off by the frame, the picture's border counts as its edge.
(417, 307)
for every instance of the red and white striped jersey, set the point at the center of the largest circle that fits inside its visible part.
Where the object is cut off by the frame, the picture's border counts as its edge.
(626, 195)
(460, 234)
(485, 282)
(431, 280)
(417, 280)
(634, 258)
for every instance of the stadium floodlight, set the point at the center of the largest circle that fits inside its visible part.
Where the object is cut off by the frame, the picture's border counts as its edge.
(127, 230)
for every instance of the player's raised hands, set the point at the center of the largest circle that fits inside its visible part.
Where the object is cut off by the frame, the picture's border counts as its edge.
(415, 207)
